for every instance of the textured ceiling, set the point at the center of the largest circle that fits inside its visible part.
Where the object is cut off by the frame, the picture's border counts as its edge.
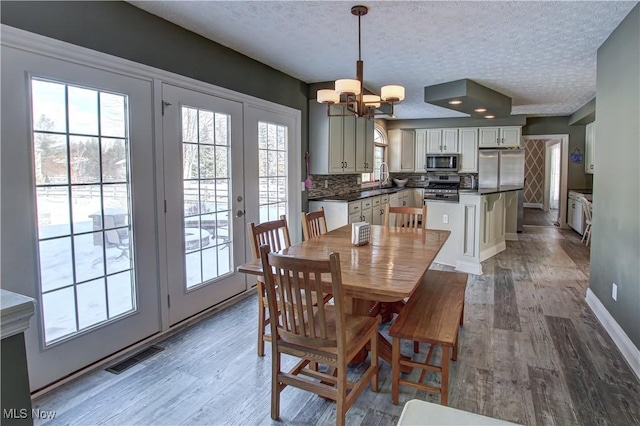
(542, 54)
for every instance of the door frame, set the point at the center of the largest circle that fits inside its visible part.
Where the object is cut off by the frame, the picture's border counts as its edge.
(564, 172)
(57, 49)
(546, 200)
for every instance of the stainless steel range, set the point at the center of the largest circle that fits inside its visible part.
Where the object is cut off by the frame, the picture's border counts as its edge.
(442, 188)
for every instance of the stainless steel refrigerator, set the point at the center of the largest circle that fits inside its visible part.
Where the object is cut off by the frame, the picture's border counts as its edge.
(503, 169)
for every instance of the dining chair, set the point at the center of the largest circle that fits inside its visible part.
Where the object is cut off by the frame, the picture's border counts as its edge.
(314, 224)
(586, 208)
(275, 234)
(320, 333)
(408, 217)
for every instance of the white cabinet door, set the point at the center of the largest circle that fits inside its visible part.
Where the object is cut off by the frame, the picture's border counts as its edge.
(510, 136)
(369, 144)
(349, 145)
(578, 217)
(418, 198)
(394, 199)
(468, 139)
(364, 145)
(421, 151)
(589, 148)
(407, 161)
(355, 217)
(434, 141)
(402, 146)
(450, 141)
(336, 135)
(367, 215)
(570, 212)
(489, 137)
(495, 137)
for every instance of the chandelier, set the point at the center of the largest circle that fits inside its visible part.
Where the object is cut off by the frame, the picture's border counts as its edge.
(349, 92)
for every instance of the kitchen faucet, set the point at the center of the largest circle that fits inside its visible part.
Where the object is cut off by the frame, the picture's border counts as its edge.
(383, 166)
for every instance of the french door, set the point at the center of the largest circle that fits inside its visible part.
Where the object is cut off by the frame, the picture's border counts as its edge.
(78, 209)
(204, 191)
(272, 158)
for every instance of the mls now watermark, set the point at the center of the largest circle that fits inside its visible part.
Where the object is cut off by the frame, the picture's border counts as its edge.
(23, 413)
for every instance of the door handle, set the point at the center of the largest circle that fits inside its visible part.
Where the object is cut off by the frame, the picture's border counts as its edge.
(240, 213)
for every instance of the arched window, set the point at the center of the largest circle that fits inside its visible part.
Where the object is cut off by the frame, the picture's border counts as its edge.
(379, 153)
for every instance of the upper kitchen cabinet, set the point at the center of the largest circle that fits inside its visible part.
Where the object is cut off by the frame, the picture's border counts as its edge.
(468, 143)
(364, 145)
(442, 141)
(402, 150)
(421, 151)
(500, 137)
(332, 140)
(589, 147)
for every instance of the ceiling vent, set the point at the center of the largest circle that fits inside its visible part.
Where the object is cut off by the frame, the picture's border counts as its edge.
(469, 97)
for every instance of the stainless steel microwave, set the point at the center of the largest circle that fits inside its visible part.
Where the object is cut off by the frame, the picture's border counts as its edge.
(442, 162)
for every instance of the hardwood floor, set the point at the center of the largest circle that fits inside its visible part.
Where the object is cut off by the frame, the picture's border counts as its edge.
(538, 217)
(531, 352)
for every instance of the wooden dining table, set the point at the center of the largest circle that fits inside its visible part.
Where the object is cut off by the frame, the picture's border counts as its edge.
(385, 271)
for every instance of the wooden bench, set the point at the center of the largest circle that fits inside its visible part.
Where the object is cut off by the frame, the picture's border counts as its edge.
(432, 315)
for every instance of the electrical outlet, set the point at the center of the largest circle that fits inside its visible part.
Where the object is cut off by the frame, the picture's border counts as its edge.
(422, 178)
(326, 183)
(358, 181)
(302, 185)
(445, 218)
(614, 291)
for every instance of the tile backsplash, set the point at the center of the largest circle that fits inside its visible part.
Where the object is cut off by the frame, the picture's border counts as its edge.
(345, 184)
(336, 184)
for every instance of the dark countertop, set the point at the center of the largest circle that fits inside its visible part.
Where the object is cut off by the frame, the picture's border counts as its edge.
(485, 191)
(355, 196)
(582, 191)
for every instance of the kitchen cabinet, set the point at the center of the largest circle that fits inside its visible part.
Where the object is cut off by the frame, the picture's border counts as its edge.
(499, 137)
(442, 141)
(589, 147)
(418, 197)
(468, 143)
(575, 212)
(332, 140)
(379, 204)
(340, 213)
(402, 145)
(364, 145)
(492, 220)
(421, 151)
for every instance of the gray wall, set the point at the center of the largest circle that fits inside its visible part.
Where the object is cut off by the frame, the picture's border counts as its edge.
(577, 178)
(615, 247)
(119, 29)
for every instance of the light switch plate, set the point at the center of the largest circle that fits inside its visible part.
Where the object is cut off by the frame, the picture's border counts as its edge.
(445, 218)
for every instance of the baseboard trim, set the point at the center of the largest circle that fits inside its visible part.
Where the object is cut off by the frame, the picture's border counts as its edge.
(533, 205)
(492, 251)
(469, 267)
(629, 351)
(511, 236)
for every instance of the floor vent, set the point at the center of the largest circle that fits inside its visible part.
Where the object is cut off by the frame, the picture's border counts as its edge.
(135, 359)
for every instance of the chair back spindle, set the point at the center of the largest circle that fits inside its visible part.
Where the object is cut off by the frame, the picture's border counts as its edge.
(291, 281)
(314, 224)
(407, 217)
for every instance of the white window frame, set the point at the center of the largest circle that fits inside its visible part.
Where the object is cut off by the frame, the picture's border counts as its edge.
(385, 144)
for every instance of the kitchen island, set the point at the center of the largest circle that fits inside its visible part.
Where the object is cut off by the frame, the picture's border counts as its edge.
(480, 223)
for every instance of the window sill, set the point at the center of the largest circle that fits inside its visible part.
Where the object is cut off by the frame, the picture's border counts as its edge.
(370, 185)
